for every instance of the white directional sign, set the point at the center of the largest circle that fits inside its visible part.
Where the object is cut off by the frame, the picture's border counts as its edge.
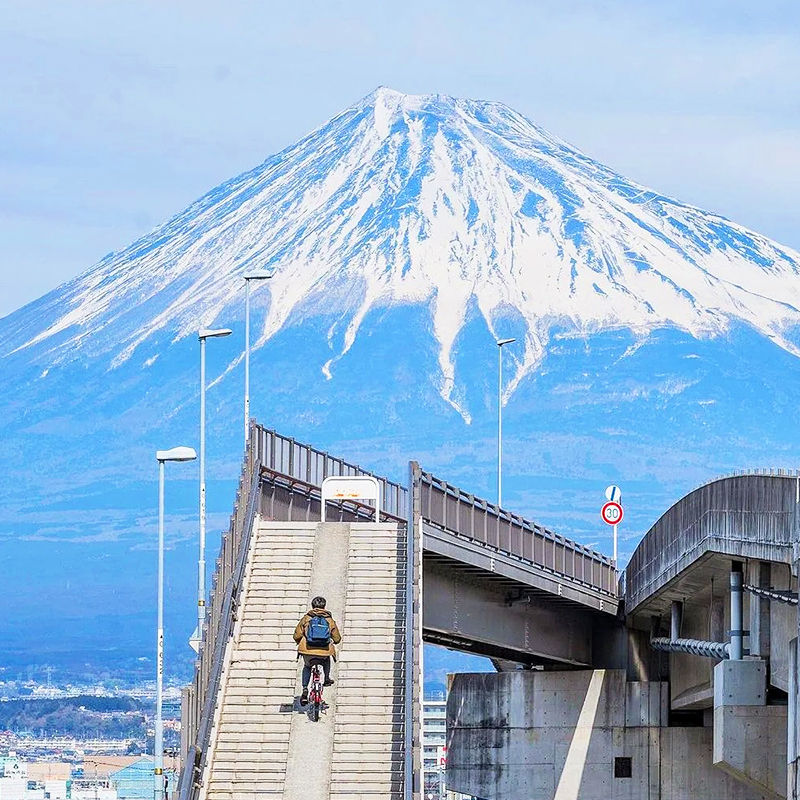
(611, 513)
(352, 487)
(613, 494)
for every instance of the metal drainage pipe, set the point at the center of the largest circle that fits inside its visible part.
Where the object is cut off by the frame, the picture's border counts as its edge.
(737, 617)
(697, 647)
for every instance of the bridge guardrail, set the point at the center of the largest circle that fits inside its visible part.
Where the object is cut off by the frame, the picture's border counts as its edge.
(285, 456)
(199, 698)
(448, 507)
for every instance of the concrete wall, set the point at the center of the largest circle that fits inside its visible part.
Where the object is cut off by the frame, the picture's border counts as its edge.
(783, 628)
(555, 736)
(690, 676)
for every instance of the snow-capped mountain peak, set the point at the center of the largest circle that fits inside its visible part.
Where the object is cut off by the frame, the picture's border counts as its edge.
(454, 204)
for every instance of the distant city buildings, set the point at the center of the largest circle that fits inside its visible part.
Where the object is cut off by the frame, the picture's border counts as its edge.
(44, 764)
(434, 750)
(98, 778)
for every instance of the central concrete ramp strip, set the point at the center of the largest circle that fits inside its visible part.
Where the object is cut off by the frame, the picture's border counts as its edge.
(308, 769)
(263, 744)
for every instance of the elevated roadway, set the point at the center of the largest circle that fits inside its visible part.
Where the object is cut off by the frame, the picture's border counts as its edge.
(749, 516)
(440, 565)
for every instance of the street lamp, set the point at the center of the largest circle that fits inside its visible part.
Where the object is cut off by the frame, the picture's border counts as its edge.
(250, 276)
(205, 333)
(500, 344)
(162, 456)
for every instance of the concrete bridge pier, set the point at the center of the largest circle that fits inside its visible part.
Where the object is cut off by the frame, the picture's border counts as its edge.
(712, 728)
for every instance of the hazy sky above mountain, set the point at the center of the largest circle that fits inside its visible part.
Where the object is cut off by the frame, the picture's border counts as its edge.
(116, 116)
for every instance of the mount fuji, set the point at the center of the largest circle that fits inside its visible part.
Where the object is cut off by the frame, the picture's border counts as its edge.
(657, 345)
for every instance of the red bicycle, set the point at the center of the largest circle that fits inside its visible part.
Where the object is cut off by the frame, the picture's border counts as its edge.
(315, 691)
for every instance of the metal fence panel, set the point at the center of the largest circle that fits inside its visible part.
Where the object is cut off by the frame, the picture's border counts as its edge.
(461, 513)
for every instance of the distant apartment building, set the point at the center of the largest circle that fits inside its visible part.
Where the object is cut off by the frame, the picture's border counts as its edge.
(434, 750)
(96, 778)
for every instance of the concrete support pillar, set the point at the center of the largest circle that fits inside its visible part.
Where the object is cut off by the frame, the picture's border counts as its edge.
(675, 620)
(737, 616)
(760, 576)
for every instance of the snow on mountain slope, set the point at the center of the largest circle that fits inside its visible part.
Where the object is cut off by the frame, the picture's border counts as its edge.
(433, 200)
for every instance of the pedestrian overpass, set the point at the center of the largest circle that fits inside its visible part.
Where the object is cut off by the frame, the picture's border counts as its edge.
(440, 565)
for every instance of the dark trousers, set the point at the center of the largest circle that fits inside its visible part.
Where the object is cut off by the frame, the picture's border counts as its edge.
(310, 661)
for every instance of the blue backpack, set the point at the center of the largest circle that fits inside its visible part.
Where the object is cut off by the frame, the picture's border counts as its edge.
(318, 632)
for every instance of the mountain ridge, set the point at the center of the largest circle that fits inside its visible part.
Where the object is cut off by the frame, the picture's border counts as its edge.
(437, 200)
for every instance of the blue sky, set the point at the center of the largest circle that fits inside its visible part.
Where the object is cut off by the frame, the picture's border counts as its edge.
(117, 115)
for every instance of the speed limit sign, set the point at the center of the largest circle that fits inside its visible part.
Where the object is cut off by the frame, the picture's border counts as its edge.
(612, 513)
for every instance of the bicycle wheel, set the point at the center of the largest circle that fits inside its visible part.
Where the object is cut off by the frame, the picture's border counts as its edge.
(315, 712)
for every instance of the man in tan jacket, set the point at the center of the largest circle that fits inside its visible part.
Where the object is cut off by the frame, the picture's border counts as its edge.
(316, 634)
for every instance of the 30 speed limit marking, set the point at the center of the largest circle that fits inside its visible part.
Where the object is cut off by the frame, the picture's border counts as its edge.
(611, 513)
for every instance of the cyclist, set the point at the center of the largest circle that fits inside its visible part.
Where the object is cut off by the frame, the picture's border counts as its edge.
(316, 634)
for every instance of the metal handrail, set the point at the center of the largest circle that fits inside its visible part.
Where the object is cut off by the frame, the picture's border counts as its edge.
(305, 463)
(312, 490)
(486, 523)
(200, 698)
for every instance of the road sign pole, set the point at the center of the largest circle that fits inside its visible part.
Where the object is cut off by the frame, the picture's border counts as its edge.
(614, 498)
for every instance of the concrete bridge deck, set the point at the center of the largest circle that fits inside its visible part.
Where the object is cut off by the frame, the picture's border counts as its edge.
(752, 516)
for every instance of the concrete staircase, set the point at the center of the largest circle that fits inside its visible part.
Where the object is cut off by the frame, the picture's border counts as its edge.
(368, 742)
(263, 745)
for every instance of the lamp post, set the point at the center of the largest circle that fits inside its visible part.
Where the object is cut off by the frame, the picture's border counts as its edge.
(251, 276)
(500, 344)
(205, 333)
(162, 456)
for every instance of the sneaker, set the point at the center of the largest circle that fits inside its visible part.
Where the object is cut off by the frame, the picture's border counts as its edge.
(304, 697)
(328, 682)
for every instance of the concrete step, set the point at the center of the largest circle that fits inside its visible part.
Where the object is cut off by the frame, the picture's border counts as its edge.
(376, 787)
(349, 762)
(228, 790)
(345, 702)
(368, 686)
(374, 571)
(391, 770)
(259, 786)
(394, 795)
(372, 713)
(258, 701)
(376, 641)
(242, 724)
(250, 760)
(279, 668)
(384, 746)
(239, 744)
